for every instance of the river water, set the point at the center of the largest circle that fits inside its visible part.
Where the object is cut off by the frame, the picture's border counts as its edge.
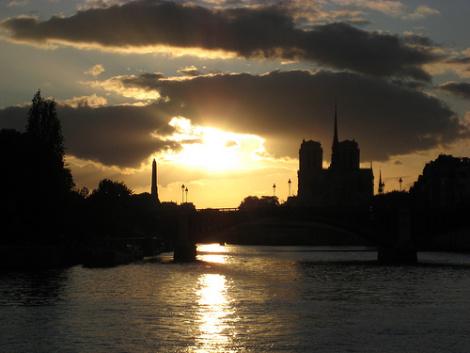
(243, 299)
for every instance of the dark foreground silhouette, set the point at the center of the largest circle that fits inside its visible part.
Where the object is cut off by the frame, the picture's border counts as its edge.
(46, 222)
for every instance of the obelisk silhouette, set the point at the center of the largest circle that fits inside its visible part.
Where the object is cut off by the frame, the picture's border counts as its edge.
(154, 190)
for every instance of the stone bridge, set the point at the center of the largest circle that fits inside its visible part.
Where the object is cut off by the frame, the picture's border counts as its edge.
(388, 230)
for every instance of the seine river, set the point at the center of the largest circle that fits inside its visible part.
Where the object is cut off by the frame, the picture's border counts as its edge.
(243, 299)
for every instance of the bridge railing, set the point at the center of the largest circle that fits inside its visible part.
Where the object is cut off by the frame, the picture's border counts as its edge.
(224, 209)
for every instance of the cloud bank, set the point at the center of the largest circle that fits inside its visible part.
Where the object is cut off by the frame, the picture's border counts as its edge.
(122, 136)
(386, 118)
(268, 32)
(460, 89)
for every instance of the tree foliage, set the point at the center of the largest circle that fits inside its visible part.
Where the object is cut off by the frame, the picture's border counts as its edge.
(259, 203)
(44, 125)
(38, 187)
(112, 190)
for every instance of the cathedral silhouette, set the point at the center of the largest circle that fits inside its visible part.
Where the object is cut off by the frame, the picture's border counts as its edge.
(344, 183)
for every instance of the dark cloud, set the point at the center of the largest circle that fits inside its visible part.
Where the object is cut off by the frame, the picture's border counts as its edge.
(461, 89)
(420, 40)
(117, 135)
(284, 107)
(146, 80)
(459, 60)
(248, 32)
(411, 84)
(387, 119)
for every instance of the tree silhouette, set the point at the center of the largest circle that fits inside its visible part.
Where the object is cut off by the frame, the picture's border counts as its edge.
(110, 204)
(44, 132)
(84, 192)
(36, 202)
(110, 190)
(44, 125)
(256, 203)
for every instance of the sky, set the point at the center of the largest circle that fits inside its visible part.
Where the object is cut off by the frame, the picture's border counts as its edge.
(222, 92)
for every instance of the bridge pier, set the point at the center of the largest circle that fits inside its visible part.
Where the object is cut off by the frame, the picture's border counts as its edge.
(396, 256)
(403, 251)
(185, 247)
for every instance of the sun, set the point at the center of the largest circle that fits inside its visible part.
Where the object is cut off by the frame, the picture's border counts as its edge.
(213, 149)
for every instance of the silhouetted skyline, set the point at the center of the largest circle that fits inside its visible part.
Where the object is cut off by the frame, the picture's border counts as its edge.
(159, 139)
(225, 116)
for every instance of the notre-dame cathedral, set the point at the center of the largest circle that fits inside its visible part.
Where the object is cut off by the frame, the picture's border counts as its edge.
(344, 183)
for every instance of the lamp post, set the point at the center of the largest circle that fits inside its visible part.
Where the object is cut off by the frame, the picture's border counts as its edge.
(290, 185)
(186, 191)
(274, 189)
(182, 193)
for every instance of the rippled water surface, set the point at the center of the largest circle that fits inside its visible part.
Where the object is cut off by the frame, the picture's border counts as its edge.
(242, 299)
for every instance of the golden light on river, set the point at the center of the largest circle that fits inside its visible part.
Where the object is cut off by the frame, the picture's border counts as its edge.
(214, 306)
(212, 253)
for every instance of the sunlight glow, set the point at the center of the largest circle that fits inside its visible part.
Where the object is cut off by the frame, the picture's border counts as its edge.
(115, 85)
(161, 50)
(213, 149)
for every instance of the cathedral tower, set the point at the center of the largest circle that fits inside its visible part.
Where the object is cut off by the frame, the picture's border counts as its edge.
(310, 171)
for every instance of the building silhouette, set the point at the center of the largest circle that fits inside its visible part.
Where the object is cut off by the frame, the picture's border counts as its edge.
(343, 183)
(444, 183)
(154, 187)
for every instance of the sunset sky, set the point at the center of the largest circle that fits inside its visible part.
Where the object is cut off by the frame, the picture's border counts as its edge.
(222, 93)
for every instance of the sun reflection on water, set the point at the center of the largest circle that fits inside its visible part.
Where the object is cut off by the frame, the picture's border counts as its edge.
(214, 315)
(212, 253)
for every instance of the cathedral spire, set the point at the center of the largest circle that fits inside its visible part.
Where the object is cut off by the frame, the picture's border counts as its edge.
(335, 135)
(334, 147)
(381, 183)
